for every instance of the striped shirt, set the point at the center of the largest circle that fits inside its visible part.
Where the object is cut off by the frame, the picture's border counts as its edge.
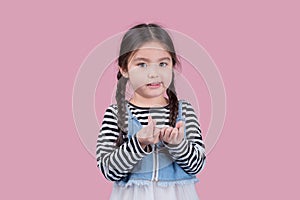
(117, 162)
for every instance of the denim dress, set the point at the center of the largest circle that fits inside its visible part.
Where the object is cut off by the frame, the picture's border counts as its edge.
(157, 175)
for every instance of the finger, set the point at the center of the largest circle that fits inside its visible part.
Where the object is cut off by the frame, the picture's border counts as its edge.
(161, 134)
(148, 130)
(180, 135)
(149, 119)
(179, 124)
(151, 123)
(168, 132)
(174, 134)
(155, 136)
(181, 129)
(156, 140)
(156, 132)
(154, 122)
(162, 131)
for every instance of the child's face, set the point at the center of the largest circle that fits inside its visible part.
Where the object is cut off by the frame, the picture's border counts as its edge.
(150, 70)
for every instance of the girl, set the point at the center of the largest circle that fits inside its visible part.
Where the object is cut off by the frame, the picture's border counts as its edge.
(151, 144)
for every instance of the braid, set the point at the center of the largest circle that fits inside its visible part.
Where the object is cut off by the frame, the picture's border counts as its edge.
(120, 97)
(173, 102)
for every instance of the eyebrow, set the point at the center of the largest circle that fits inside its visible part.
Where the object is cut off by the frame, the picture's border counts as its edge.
(147, 60)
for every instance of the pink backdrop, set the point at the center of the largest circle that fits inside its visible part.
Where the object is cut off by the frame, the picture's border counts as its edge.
(255, 45)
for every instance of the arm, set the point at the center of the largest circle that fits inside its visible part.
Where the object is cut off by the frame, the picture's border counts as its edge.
(116, 162)
(190, 153)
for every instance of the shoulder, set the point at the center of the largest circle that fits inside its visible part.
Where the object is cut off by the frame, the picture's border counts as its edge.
(112, 110)
(187, 108)
(185, 104)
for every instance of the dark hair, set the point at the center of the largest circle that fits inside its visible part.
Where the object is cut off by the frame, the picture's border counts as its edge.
(133, 39)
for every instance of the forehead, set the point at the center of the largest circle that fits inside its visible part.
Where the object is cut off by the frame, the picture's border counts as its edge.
(151, 51)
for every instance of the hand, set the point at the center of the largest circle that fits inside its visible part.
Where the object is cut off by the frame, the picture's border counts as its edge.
(172, 135)
(148, 134)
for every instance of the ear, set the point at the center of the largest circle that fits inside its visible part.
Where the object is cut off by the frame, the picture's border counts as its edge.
(124, 73)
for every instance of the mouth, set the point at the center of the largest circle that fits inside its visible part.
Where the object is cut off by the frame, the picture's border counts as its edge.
(154, 84)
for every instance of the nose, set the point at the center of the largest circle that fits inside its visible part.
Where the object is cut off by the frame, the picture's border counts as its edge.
(152, 72)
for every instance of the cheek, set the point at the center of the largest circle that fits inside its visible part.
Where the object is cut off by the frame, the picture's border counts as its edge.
(137, 78)
(166, 76)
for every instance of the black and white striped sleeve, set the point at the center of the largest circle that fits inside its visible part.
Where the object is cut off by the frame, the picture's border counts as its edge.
(190, 153)
(116, 162)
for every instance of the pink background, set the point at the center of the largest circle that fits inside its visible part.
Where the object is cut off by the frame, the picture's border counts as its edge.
(255, 45)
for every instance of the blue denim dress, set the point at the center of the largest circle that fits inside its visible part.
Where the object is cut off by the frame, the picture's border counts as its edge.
(157, 166)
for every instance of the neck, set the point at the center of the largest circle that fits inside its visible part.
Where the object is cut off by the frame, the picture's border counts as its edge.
(149, 102)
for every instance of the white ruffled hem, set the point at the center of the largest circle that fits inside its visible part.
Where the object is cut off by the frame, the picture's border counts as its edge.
(154, 191)
(159, 183)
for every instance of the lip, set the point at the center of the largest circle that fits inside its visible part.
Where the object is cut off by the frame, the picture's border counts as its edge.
(154, 85)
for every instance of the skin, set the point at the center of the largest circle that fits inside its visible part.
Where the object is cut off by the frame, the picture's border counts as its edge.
(152, 64)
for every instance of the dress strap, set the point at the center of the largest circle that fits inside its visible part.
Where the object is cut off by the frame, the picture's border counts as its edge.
(180, 109)
(128, 111)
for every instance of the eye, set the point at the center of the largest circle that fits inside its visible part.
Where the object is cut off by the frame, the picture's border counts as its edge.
(163, 64)
(142, 64)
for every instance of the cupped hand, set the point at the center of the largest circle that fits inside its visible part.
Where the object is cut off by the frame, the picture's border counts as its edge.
(172, 135)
